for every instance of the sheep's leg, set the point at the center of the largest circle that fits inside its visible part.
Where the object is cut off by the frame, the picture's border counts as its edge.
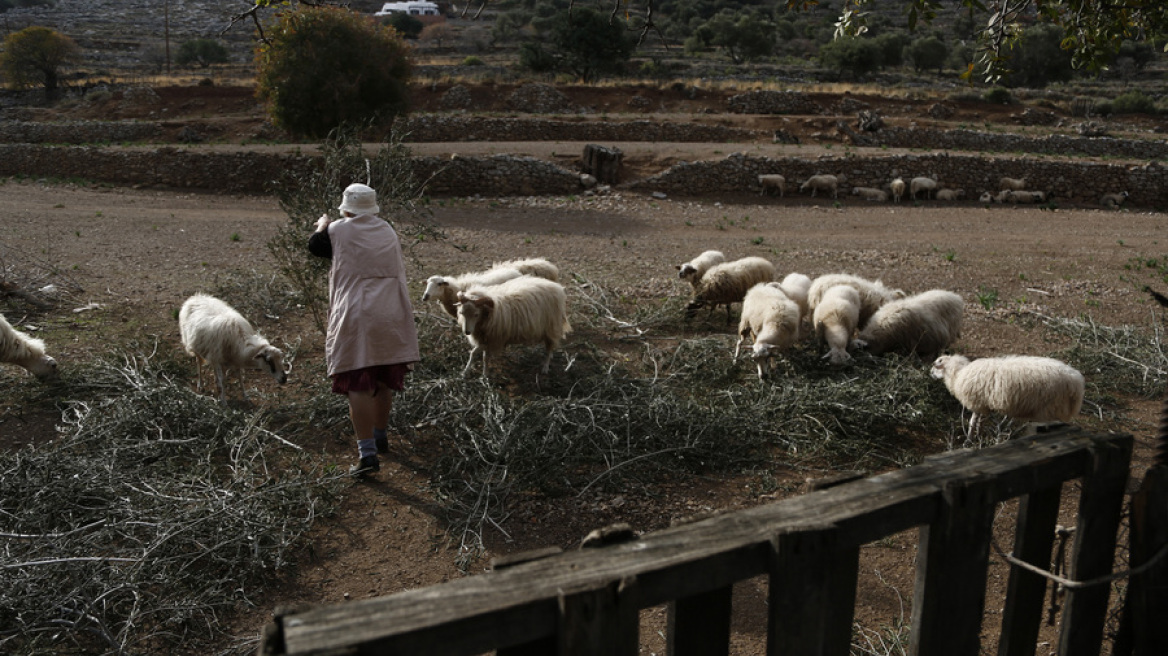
(762, 372)
(221, 379)
(470, 362)
(728, 318)
(198, 375)
(547, 360)
(974, 425)
(484, 364)
(738, 346)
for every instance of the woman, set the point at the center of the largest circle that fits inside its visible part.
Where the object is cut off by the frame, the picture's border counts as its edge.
(371, 341)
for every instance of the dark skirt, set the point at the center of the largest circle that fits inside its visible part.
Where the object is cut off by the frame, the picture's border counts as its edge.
(366, 379)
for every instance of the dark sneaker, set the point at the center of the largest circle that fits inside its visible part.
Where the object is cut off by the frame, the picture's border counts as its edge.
(367, 465)
(383, 445)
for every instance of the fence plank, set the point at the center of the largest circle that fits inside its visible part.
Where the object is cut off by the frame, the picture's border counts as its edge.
(699, 625)
(952, 560)
(600, 621)
(812, 596)
(1026, 591)
(1085, 610)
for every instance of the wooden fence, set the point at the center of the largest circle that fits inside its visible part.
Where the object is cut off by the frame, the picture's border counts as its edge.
(587, 601)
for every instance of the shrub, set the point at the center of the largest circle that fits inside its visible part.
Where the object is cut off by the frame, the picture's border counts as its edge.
(325, 66)
(999, 95)
(473, 60)
(1133, 102)
(407, 25)
(36, 55)
(202, 53)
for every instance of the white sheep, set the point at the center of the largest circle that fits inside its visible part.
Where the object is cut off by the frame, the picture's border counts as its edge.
(873, 294)
(925, 184)
(924, 324)
(773, 319)
(1024, 197)
(834, 319)
(870, 193)
(445, 289)
(728, 282)
(824, 183)
(19, 349)
(526, 310)
(1113, 201)
(897, 187)
(796, 286)
(986, 197)
(1024, 388)
(215, 333)
(950, 194)
(693, 270)
(771, 181)
(534, 266)
(1011, 184)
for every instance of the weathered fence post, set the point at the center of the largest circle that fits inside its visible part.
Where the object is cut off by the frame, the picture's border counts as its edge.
(699, 625)
(812, 594)
(1025, 591)
(599, 621)
(603, 163)
(1085, 610)
(952, 560)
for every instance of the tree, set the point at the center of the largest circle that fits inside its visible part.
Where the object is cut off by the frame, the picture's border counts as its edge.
(585, 43)
(858, 55)
(437, 32)
(927, 52)
(201, 52)
(744, 37)
(36, 55)
(892, 45)
(410, 27)
(322, 67)
(1037, 58)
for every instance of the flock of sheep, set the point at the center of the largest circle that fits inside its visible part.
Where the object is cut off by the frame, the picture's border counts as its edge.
(1011, 190)
(522, 302)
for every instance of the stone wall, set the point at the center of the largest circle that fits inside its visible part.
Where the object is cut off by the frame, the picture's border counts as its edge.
(1053, 144)
(444, 127)
(78, 132)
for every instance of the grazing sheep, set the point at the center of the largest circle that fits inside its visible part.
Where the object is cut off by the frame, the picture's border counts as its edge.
(925, 184)
(1113, 201)
(771, 181)
(697, 267)
(728, 282)
(773, 319)
(1011, 184)
(925, 324)
(870, 193)
(835, 318)
(950, 194)
(213, 332)
(986, 197)
(796, 286)
(524, 310)
(1025, 388)
(897, 188)
(19, 349)
(445, 289)
(872, 294)
(824, 183)
(535, 266)
(1024, 197)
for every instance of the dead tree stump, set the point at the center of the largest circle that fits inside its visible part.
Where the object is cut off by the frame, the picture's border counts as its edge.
(603, 163)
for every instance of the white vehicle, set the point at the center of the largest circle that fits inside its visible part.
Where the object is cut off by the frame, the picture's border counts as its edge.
(411, 8)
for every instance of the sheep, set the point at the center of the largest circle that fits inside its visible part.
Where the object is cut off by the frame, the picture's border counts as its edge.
(796, 286)
(986, 197)
(925, 184)
(771, 181)
(834, 320)
(1017, 197)
(872, 294)
(1113, 201)
(536, 266)
(445, 289)
(728, 282)
(924, 324)
(697, 267)
(215, 333)
(773, 319)
(1011, 184)
(525, 310)
(19, 349)
(897, 188)
(950, 194)
(870, 193)
(1024, 388)
(823, 183)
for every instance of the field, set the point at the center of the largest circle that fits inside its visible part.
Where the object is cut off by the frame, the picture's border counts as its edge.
(1034, 281)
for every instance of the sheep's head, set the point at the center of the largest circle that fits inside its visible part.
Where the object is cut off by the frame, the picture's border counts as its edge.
(473, 310)
(43, 367)
(947, 364)
(685, 270)
(433, 286)
(271, 360)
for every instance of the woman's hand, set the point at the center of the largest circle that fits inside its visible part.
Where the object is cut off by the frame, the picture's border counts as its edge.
(323, 222)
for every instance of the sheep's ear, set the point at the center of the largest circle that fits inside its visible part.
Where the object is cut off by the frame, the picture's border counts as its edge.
(677, 266)
(485, 302)
(441, 282)
(461, 298)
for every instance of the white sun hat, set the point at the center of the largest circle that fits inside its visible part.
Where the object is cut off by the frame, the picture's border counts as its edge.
(359, 199)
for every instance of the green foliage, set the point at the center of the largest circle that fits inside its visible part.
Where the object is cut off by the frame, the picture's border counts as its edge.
(743, 36)
(926, 53)
(534, 58)
(1133, 102)
(36, 55)
(856, 55)
(892, 45)
(999, 95)
(202, 53)
(585, 43)
(472, 60)
(325, 66)
(1140, 54)
(1037, 58)
(405, 24)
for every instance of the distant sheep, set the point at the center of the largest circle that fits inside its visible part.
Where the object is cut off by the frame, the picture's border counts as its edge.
(445, 289)
(21, 350)
(1024, 388)
(897, 187)
(535, 266)
(924, 324)
(728, 282)
(824, 183)
(1011, 184)
(1113, 201)
(525, 310)
(1025, 197)
(986, 197)
(950, 194)
(773, 319)
(925, 184)
(835, 319)
(770, 182)
(873, 294)
(214, 333)
(870, 193)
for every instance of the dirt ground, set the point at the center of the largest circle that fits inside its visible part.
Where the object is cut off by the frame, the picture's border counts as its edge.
(139, 253)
